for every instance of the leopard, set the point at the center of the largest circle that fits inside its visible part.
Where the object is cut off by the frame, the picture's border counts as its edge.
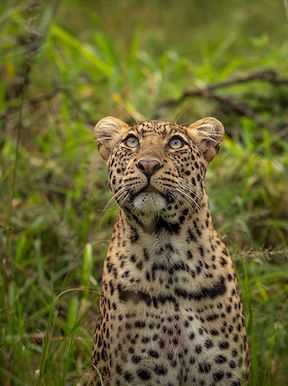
(170, 311)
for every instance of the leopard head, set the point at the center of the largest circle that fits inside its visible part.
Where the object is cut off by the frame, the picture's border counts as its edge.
(158, 167)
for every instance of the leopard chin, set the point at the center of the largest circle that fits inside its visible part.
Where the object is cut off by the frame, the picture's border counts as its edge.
(149, 202)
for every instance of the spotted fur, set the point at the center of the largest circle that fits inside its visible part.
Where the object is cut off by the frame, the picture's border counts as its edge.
(170, 311)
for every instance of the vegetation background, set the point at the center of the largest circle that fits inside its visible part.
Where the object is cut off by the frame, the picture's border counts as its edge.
(66, 64)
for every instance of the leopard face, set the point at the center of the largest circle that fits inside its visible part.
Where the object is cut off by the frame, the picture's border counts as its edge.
(158, 168)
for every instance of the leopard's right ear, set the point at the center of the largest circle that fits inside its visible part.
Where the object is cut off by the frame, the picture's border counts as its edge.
(108, 131)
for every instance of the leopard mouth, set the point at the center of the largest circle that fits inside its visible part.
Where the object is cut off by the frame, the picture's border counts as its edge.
(149, 189)
(152, 190)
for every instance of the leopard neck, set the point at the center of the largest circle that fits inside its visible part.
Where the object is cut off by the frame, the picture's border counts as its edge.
(172, 258)
(199, 220)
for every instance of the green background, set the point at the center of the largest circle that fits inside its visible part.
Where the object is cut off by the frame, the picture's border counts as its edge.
(66, 64)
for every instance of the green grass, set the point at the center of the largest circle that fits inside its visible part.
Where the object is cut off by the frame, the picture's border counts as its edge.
(54, 225)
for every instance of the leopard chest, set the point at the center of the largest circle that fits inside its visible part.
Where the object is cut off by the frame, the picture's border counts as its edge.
(187, 341)
(168, 303)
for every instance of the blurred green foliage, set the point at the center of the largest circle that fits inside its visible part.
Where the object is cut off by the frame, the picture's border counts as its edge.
(82, 60)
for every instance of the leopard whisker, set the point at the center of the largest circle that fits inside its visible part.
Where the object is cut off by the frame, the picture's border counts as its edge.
(116, 196)
(193, 192)
(188, 197)
(179, 198)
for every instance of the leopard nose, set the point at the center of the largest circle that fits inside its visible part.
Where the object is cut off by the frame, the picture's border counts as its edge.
(149, 167)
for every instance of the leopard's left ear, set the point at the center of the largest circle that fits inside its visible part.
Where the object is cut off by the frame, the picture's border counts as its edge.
(207, 134)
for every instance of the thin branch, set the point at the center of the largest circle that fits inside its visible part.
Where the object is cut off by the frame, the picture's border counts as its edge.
(280, 254)
(266, 75)
(32, 102)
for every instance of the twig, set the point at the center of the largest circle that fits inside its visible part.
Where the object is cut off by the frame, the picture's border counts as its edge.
(266, 75)
(232, 104)
(32, 102)
(281, 254)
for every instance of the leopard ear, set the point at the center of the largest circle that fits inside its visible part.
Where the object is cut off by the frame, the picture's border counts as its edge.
(207, 133)
(108, 131)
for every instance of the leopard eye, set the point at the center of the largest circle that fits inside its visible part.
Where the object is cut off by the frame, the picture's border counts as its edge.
(131, 141)
(176, 143)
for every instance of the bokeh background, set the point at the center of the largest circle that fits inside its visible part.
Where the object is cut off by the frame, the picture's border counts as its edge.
(66, 64)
